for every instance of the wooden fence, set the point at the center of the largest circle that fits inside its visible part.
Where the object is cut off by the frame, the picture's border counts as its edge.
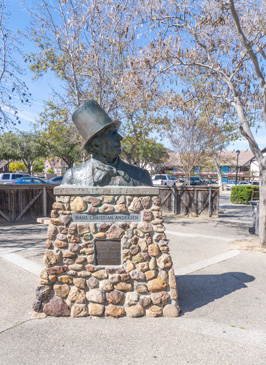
(25, 203)
(188, 200)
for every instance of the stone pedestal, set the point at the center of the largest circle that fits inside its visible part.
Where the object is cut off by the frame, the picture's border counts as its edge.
(107, 255)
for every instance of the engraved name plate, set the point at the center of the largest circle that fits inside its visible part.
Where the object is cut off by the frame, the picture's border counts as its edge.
(108, 252)
(115, 217)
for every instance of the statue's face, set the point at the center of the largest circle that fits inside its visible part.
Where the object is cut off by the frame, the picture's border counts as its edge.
(110, 143)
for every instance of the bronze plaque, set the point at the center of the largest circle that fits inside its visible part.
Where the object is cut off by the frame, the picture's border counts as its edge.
(108, 252)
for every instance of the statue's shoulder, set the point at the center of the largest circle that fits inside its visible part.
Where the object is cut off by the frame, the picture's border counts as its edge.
(76, 175)
(136, 172)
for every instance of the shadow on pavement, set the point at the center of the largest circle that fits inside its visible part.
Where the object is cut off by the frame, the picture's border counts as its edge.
(22, 236)
(196, 291)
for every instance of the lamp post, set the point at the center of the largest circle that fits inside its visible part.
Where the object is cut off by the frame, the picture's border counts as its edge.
(237, 155)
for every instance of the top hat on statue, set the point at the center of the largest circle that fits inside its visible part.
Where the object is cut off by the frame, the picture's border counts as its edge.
(90, 119)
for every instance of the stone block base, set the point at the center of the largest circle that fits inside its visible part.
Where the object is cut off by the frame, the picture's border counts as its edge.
(106, 255)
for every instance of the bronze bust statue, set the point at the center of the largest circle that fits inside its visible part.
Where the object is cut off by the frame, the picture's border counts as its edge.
(103, 142)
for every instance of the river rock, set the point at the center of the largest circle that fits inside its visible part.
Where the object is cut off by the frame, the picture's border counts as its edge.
(94, 201)
(65, 279)
(147, 215)
(172, 279)
(61, 290)
(115, 297)
(57, 221)
(60, 244)
(138, 258)
(73, 239)
(95, 296)
(92, 283)
(109, 199)
(135, 206)
(106, 285)
(115, 232)
(79, 283)
(150, 274)
(51, 232)
(137, 275)
(134, 249)
(42, 292)
(154, 311)
(56, 307)
(160, 298)
(76, 295)
(82, 229)
(153, 250)
(68, 254)
(79, 310)
(170, 311)
(115, 278)
(145, 227)
(157, 285)
(146, 202)
(135, 311)
(76, 267)
(129, 266)
(52, 257)
(104, 227)
(123, 286)
(96, 309)
(143, 245)
(114, 311)
(101, 274)
(78, 204)
(132, 298)
(106, 208)
(81, 260)
(164, 261)
(145, 301)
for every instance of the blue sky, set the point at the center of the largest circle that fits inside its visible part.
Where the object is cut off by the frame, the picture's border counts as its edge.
(40, 89)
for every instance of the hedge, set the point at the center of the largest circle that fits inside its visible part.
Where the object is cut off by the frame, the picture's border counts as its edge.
(242, 194)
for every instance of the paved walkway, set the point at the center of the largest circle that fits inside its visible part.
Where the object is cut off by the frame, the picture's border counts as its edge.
(222, 296)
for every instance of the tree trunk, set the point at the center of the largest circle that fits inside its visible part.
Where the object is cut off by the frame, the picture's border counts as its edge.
(262, 211)
(218, 170)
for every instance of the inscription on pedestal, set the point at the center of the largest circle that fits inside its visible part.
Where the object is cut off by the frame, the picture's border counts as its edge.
(115, 217)
(108, 252)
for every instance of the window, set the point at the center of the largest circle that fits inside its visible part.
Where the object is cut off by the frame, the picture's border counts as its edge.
(5, 177)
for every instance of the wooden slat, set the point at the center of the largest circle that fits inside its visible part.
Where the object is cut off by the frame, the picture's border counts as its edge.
(28, 206)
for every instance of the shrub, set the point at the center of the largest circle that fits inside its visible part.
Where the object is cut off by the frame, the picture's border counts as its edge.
(50, 171)
(242, 194)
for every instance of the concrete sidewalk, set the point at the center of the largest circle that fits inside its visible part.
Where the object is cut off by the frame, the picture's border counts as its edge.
(222, 296)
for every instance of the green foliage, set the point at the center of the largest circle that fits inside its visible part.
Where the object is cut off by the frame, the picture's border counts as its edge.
(38, 165)
(17, 166)
(145, 151)
(60, 136)
(50, 171)
(242, 194)
(23, 146)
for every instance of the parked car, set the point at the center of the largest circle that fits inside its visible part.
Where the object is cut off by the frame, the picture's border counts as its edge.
(212, 182)
(30, 180)
(244, 183)
(163, 179)
(194, 180)
(7, 178)
(55, 180)
(230, 184)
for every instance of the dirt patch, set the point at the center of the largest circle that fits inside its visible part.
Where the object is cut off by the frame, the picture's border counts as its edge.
(247, 245)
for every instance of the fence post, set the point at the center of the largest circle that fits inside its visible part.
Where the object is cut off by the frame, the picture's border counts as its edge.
(210, 202)
(44, 201)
